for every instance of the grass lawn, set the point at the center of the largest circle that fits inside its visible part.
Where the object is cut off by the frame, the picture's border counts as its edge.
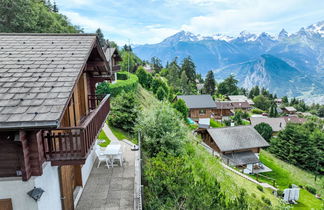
(121, 134)
(286, 174)
(103, 136)
(216, 124)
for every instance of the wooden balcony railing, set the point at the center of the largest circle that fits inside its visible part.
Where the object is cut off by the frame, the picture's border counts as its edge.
(116, 68)
(71, 146)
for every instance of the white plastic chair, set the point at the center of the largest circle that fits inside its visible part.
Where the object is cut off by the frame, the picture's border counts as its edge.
(119, 157)
(101, 158)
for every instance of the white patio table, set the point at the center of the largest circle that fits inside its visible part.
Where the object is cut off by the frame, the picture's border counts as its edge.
(112, 150)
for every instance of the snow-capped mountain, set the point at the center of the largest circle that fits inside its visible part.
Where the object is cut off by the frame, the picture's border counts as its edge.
(255, 58)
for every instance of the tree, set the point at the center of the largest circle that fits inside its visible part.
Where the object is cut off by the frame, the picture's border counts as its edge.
(189, 68)
(180, 106)
(264, 130)
(285, 100)
(261, 102)
(156, 64)
(144, 78)
(158, 82)
(124, 111)
(161, 94)
(185, 84)
(32, 16)
(55, 8)
(162, 131)
(320, 111)
(101, 37)
(209, 85)
(228, 86)
(273, 110)
(173, 76)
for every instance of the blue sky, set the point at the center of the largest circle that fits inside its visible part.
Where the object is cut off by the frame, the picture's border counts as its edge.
(150, 21)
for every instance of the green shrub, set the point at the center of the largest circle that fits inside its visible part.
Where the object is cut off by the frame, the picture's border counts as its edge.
(257, 111)
(161, 94)
(279, 193)
(265, 130)
(162, 130)
(193, 126)
(260, 188)
(122, 84)
(124, 111)
(266, 200)
(216, 124)
(180, 106)
(311, 189)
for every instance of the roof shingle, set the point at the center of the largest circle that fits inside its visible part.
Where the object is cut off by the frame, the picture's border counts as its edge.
(34, 70)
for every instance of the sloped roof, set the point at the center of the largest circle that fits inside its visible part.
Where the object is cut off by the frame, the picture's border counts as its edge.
(110, 51)
(37, 75)
(224, 105)
(238, 105)
(294, 119)
(277, 124)
(290, 109)
(237, 138)
(198, 101)
(238, 98)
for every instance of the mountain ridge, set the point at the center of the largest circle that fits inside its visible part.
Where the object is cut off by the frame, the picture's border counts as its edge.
(302, 51)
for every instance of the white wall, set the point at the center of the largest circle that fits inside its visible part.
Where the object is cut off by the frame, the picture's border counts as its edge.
(49, 182)
(87, 167)
(16, 189)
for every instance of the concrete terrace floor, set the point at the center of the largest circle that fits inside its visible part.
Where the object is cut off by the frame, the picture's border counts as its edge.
(110, 189)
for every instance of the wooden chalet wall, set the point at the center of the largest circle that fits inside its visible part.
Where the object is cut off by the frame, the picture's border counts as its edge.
(222, 112)
(194, 113)
(78, 104)
(25, 155)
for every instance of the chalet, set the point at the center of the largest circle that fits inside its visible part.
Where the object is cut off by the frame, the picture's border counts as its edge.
(240, 98)
(200, 106)
(113, 58)
(237, 146)
(294, 119)
(289, 110)
(223, 109)
(50, 116)
(245, 106)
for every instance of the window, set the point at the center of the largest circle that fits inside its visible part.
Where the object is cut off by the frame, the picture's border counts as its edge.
(202, 111)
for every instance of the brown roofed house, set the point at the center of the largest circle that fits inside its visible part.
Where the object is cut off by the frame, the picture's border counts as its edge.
(113, 57)
(289, 110)
(200, 106)
(236, 145)
(49, 114)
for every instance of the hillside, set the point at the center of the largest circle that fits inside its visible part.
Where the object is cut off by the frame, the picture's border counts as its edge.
(298, 58)
(230, 182)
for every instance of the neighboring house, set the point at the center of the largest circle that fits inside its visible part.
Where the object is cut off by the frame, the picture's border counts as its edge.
(245, 106)
(223, 109)
(200, 106)
(241, 98)
(49, 116)
(238, 146)
(289, 110)
(277, 124)
(294, 119)
(113, 57)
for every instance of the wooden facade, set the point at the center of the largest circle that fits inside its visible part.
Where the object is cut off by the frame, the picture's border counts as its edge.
(23, 152)
(195, 114)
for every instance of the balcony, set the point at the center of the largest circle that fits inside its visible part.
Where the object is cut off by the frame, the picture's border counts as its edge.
(116, 68)
(71, 145)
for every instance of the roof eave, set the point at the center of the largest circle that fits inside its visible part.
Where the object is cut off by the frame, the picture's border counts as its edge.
(29, 124)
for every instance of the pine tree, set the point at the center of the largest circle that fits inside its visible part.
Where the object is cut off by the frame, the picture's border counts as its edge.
(256, 91)
(101, 37)
(55, 8)
(209, 85)
(189, 68)
(184, 82)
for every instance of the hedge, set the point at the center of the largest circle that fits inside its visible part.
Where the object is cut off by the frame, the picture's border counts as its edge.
(122, 84)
